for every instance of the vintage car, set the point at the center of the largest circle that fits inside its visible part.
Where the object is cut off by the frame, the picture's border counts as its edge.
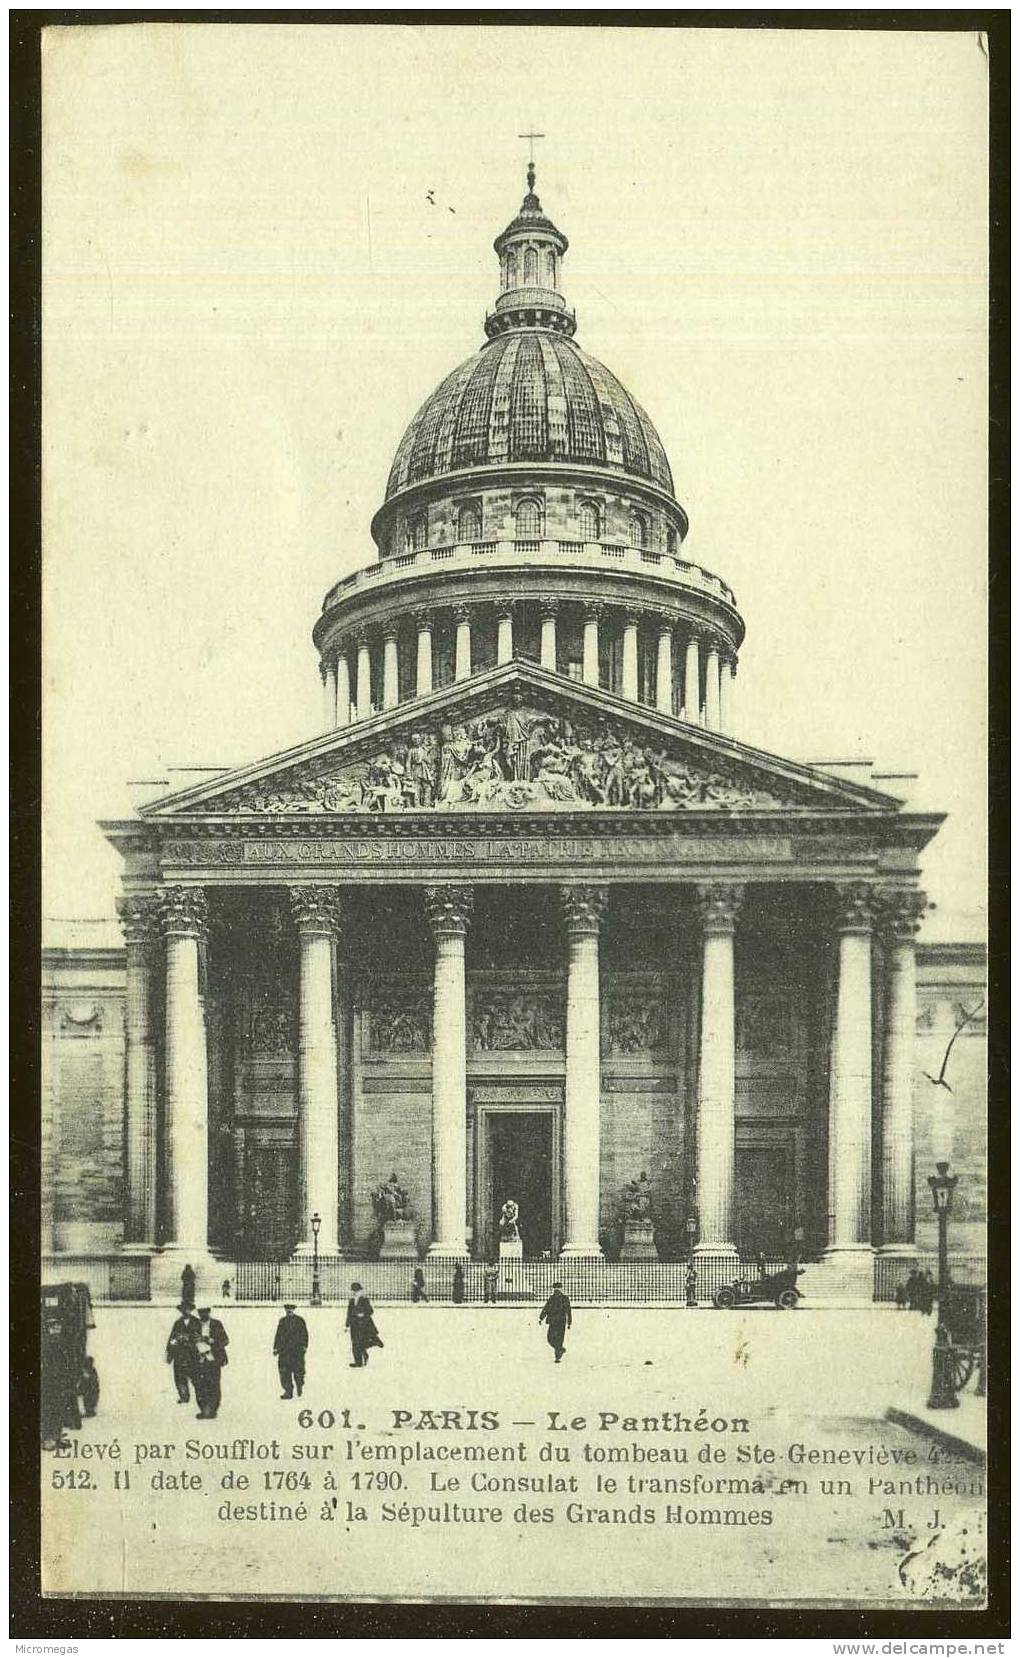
(778, 1289)
(69, 1381)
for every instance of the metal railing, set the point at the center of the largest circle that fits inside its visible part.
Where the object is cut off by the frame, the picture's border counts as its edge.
(109, 1277)
(586, 1280)
(892, 1271)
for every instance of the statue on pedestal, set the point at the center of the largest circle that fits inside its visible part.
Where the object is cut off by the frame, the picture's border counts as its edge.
(393, 1210)
(638, 1231)
(510, 1241)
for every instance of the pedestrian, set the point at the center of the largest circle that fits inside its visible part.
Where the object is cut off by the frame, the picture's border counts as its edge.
(290, 1346)
(361, 1324)
(418, 1290)
(925, 1293)
(911, 1290)
(556, 1313)
(180, 1351)
(901, 1297)
(490, 1282)
(210, 1344)
(188, 1286)
(458, 1285)
(88, 1386)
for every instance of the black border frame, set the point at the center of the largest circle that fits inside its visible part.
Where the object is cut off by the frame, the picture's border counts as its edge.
(34, 1617)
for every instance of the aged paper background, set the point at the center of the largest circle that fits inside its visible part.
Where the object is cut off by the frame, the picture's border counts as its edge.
(778, 241)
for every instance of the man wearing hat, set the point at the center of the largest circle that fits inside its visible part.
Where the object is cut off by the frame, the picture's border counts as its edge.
(290, 1346)
(210, 1347)
(361, 1324)
(556, 1313)
(180, 1351)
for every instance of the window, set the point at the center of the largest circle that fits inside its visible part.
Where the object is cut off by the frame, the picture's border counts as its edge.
(469, 522)
(511, 269)
(588, 523)
(550, 269)
(638, 529)
(416, 534)
(671, 541)
(528, 520)
(530, 267)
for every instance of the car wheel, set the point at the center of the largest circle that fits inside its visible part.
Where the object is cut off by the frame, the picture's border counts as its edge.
(725, 1297)
(787, 1299)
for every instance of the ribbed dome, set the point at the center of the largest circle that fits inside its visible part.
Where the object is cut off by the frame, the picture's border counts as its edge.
(529, 395)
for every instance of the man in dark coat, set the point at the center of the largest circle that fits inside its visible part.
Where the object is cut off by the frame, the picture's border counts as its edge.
(290, 1346)
(361, 1325)
(180, 1351)
(210, 1347)
(556, 1313)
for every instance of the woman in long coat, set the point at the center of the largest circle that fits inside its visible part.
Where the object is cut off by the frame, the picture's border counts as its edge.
(361, 1324)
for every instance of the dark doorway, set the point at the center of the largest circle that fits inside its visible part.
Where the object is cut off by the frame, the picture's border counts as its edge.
(270, 1226)
(764, 1198)
(520, 1166)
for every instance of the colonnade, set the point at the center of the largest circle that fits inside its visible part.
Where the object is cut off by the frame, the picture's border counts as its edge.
(702, 694)
(178, 916)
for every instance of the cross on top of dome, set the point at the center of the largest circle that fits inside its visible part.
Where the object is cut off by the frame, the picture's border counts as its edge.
(530, 250)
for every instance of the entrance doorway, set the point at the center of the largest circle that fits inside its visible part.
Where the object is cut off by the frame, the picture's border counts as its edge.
(269, 1227)
(520, 1165)
(764, 1195)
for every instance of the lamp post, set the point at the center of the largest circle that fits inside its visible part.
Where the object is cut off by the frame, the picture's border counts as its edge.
(691, 1275)
(316, 1287)
(943, 1392)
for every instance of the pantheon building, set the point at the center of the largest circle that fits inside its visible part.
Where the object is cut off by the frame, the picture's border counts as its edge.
(526, 917)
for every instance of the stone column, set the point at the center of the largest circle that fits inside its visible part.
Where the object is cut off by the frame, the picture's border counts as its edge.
(138, 917)
(547, 653)
(850, 1093)
(712, 687)
(727, 672)
(692, 681)
(327, 673)
(343, 689)
(423, 675)
(449, 911)
(391, 684)
(504, 635)
(316, 912)
(901, 917)
(629, 674)
(462, 655)
(185, 915)
(590, 645)
(363, 691)
(664, 669)
(718, 905)
(583, 909)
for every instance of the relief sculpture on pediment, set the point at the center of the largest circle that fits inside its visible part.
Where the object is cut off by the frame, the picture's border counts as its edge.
(521, 759)
(507, 1021)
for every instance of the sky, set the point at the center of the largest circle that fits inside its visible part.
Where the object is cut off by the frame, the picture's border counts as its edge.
(778, 243)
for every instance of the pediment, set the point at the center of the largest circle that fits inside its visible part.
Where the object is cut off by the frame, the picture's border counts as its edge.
(519, 739)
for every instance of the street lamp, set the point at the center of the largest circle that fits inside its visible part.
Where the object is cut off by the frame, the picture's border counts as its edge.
(316, 1287)
(691, 1275)
(943, 1392)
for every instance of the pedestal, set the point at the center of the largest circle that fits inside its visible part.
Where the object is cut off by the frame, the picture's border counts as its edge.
(638, 1241)
(511, 1249)
(398, 1241)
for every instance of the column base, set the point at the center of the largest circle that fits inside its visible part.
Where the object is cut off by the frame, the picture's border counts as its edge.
(137, 1249)
(727, 1249)
(305, 1251)
(581, 1251)
(451, 1251)
(907, 1249)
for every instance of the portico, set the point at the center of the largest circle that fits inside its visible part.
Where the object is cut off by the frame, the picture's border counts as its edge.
(581, 995)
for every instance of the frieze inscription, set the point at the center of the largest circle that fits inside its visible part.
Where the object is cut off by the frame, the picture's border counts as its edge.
(555, 849)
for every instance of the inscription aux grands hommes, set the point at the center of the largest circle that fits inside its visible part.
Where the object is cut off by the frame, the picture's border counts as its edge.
(474, 850)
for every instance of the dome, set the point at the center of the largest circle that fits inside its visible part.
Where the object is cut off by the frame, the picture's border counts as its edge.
(530, 395)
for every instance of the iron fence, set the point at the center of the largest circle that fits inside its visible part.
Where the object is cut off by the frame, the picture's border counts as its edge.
(109, 1277)
(586, 1280)
(892, 1271)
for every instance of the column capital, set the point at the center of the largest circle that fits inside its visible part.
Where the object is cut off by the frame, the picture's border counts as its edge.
(665, 624)
(316, 909)
(593, 610)
(548, 609)
(184, 911)
(718, 904)
(462, 613)
(899, 912)
(139, 916)
(390, 629)
(324, 669)
(423, 620)
(855, 906)
(360, 639)
(449, 910)
(583, 908)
